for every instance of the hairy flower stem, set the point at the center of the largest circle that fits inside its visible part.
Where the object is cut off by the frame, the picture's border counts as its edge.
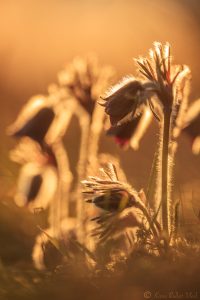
(165, 172)
(151, 192)
(59, 207)
(65, 178)
(84, 121)
(96, 127)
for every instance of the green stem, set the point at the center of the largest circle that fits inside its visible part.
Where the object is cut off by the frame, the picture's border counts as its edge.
(165, 173)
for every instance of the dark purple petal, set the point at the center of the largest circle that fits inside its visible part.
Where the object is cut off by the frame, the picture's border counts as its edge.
(34, 187)
(122, 102)
(37, 127)
(124, 132)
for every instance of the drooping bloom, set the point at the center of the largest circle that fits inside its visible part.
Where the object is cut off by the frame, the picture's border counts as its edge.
(163, 83)
(36, 186)
(38, 178)
(34, 120)
(122, 101)
(114, 200)
(118, 200)
(44, 118)
(45, 175)
(85, 80)
(131, 133)
(110, 194)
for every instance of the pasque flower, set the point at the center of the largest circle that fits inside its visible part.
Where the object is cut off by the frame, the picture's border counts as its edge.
(109, 193)
(169, 94)
(113, 200)
(118, 200)
(122, 101)
(85, 79)
(38, 177)
(161, 81)
(39, 127)
(44, 118)
(130, 133)
(163, 86)
(34, 120)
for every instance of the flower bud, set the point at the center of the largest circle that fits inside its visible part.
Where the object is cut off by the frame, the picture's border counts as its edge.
(123, 100)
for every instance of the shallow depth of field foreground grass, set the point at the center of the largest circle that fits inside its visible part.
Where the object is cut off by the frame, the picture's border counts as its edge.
(126, 280)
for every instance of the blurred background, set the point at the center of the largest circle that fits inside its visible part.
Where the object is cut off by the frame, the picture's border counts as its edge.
(37, 39)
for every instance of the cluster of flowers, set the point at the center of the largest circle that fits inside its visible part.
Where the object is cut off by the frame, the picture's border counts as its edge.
(162, 92)
(45, 178)
(164, 87)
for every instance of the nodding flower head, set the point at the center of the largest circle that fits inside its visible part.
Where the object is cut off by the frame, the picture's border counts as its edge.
(122, 101)
(85, 79)
(130, 133)
(113, 200)
(34, 120)
(44, 119)
(38, 177)
(36, 186)
(110, 195)
(122, 206)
